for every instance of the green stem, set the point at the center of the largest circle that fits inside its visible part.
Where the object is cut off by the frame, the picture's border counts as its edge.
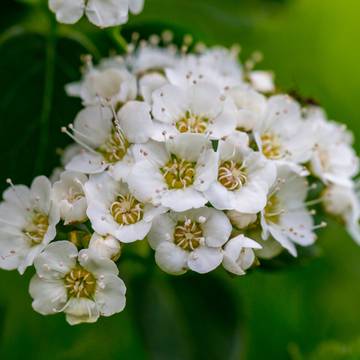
(44, 122)
(118, 39)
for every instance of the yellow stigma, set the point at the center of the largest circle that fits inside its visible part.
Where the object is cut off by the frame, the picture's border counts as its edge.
(126, 210)
(178, 173)
(271, 146)
(191, 123)
(115, 148)
(37, 228)
(273, 210)
(232, 175)
(80, 283)
(188, 235)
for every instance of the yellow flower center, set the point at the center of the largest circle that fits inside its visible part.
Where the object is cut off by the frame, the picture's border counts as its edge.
(37, 228)
(188, 235)
(80, 283)
(178, 173)
(271, 146)
(232, 175)
(115, 148)
(192, 123)
(74, 195)
(273, 210)
(126, 210)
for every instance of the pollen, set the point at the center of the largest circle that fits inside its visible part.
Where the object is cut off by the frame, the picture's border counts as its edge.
(232, 175)
(115, 148)
(271, 146)
(273, 210)
(192, 123)
(37, 228)
(80, 283)
(178, 173)
(188, 235)
(126, 210)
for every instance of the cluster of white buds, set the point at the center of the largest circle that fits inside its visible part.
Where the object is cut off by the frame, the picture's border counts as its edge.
(190, 152)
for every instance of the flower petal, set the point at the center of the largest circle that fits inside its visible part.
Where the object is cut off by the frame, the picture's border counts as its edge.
(97, 265)
(204, 259)
(135, 121)
(110, 295)
(104, 13)
(67, 11)
(171, 258)
(162, 230)
(49, 296)
(56, 260)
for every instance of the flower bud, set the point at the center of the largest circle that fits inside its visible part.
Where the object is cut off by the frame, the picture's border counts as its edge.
(107, 246)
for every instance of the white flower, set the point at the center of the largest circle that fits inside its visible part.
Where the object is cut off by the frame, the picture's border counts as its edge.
(106, 145)
(105, 246)
(342, 201)
(149, 83)
(251, 105)
(217, 66)
(243, 178)
(28, 219)
(196, 109)
(113, 210)
(149, 59)
(69, 195)
(262, 81)
(286, 217)
(333, 159)
(189, 240)
(174, 174)
(82, 285)
(110, 81)
(282, 135)
(102, 13)
(239, 254)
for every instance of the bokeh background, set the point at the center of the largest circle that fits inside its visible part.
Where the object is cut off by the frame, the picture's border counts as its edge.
(304, 310)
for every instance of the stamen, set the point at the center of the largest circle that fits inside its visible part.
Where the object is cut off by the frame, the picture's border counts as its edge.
(82, 144)
(188, 235)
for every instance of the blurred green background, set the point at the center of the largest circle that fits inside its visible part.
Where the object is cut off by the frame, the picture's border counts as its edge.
(300, 311)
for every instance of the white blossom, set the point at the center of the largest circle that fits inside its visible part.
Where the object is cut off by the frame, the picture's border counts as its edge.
(197, 109)
(105, 246)
(149, 59)
(175, 174)
(239, 254)
(343, 202)
(262, 81)
(189, 240)
(282, 135)
(286, 217)
(28, 219)
(217, 66)
(109, 82)
(82, 285)
(243, 178)
(102, 13)
(114, 210)
(333, 159)
(251, 107)
(68, 194)
(106, 138)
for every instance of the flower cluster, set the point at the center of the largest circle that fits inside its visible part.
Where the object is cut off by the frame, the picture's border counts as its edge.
(192, 153)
